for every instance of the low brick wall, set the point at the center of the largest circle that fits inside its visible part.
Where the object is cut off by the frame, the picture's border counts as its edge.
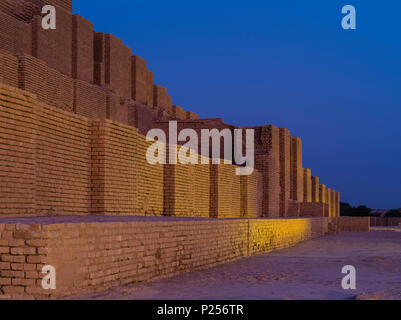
(353, 224)
(96, 253)
(385, 222)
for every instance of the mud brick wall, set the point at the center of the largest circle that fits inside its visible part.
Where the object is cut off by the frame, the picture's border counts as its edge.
(90, 100)
(270, 235)
(62, 162)
(307, 186)
(267, 162)
(294, 208)
(251, 195)
(112, 64)
(15, 36)
(179, 113)
(201, 196)
(353, 224)
(315, 189)
(65, 4)
(192, 116)
(385, 222)
(266, 165)
(17, 152)
(285, 170)
(8, 69)
(123, 182)
(49, 174)
(142, 82)
(117, 108)
(94, 256)
(225, 188)
(297, 174)
(21, 9)
(99, 57)
(312, 209)
(149, 87)
(322, 193)
(50, 86)
(141, 117)
(338, 202)
(187, 189)
(54, 47)
(118, 66)
(82, 49)
(328, 200)
(162, 100)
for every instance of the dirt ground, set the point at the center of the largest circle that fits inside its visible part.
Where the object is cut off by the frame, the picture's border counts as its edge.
(310, 270)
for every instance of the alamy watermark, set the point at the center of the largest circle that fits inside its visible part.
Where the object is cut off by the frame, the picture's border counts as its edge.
(349, 20)
(188, 153)
(349, 281)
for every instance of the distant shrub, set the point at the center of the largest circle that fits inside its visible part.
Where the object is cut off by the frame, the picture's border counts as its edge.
(393, 214)
(348, 211)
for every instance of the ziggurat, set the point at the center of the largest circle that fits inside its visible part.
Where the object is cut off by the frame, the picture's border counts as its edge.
(75, 106)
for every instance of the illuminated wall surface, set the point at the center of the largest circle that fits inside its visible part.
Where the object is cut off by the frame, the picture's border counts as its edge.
(75, 106)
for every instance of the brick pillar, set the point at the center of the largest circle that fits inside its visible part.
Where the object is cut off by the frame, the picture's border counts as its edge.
(315, 189)
(328, 200)
(267, 162)
(307, 186)
(82, 48)
(296, 170)
(338, 201)
(285, 171)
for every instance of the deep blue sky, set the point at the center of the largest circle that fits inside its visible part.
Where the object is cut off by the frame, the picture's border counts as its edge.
(287, 63)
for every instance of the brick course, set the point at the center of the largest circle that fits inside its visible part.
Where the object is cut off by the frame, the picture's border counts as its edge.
(93, 256)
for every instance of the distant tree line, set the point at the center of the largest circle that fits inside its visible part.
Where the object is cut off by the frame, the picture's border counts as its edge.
(363, 211)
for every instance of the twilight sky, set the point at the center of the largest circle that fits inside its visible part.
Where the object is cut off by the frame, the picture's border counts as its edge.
(287, 63)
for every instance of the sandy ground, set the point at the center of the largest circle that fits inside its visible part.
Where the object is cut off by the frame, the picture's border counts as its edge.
(311, 270)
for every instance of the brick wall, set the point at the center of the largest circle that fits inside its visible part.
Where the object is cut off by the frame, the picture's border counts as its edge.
(50, 175)
(82, 49)
(353, 224)
(307, 185)
(187, 188)
(294, 208)
(338, 203)
(15, 36)
(142, 82)
(297, 173)
(162, 100)
(141, 117)
(65, 4)
(322, 193)
(267, 162)
(225, 191)
(123, 183)
(17, 152)
(385, 222)
(54, 47)
(22, 10)
(62, 162)
(251, 195)
(117, 108)
(90, 100)
(192, 116)
(285, 170)
(315, 189)
(9, 69)
(310, 209)
(95, 255)
(50, 86)
(113, 64)
(178, 113)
